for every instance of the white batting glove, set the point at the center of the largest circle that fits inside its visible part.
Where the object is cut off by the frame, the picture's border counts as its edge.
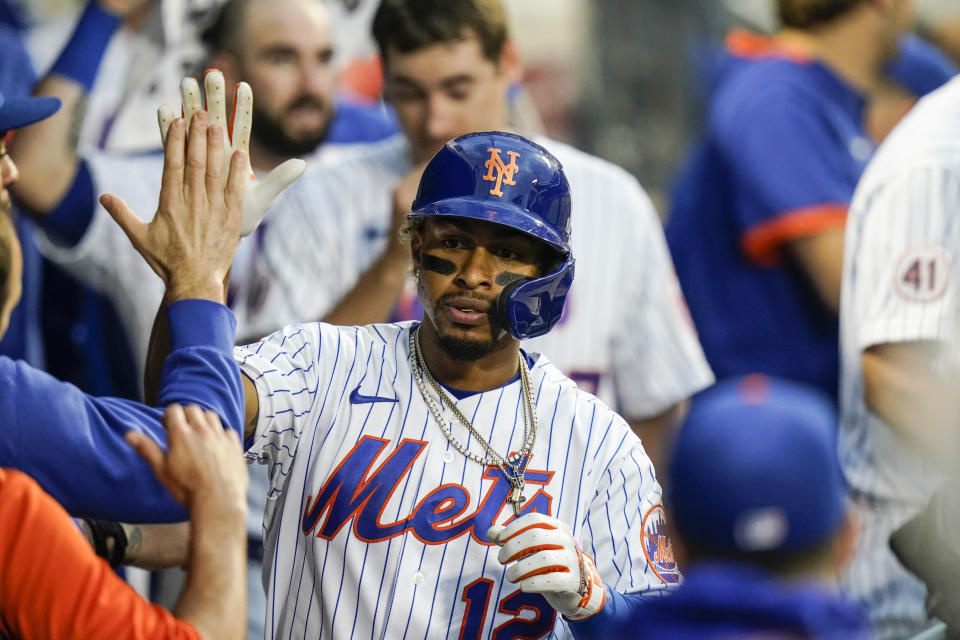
(259, 195)
(541, 555)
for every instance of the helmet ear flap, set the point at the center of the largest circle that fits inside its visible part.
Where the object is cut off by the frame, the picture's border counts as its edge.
(530, 308)
(502, 305)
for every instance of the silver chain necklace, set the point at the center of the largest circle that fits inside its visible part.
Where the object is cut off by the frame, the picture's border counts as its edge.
(512, 466)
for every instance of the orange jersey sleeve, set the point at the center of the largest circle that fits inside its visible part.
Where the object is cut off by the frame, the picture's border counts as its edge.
(52, 584)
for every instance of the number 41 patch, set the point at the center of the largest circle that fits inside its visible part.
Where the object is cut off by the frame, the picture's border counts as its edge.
(922, 274)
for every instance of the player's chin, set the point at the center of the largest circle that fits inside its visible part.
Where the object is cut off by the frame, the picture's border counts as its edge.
(466, 343)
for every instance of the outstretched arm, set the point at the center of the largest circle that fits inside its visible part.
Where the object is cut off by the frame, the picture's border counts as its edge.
(186, 182)
(53, 586)
(375, 294)
(47, 151)
(57, 434)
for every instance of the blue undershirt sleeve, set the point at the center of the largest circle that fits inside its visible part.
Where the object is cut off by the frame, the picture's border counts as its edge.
(200, 368)
(72, 443)
(67, 223)
(613, 621)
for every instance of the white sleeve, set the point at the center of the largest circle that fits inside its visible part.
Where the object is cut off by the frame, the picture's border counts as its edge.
(104, 259)
(905, 266)
(624, 528)
(305, 262)
(299, 373)
(657, 357)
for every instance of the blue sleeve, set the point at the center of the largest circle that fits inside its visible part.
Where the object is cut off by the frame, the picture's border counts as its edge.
(68, 221)
(615, 620)
(353, 123)
(920, 66)
(786, 147)
(72, 443)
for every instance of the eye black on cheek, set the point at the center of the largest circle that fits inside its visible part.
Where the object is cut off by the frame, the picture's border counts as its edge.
(508, 277)
(437, 265)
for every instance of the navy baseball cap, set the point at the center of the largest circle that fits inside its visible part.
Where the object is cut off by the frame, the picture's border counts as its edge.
(16, 112)
(755, 468)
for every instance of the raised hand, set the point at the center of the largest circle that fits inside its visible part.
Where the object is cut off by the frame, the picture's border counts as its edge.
(542, 556)
(203, 460)
(191, 241)
(259, 195)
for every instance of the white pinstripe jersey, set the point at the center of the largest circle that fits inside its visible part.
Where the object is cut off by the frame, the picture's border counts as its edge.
(625, 334)
(900, 284)
(376, 525)
(900, 281)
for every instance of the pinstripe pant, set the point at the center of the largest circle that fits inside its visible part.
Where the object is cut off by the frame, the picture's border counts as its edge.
(893, 598)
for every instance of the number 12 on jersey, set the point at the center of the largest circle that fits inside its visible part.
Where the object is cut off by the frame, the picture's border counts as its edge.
(537, 622)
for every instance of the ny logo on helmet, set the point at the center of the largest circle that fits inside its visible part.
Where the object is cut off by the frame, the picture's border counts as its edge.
(504, 171)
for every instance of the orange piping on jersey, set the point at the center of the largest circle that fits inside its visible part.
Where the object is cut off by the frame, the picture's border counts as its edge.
(754, 46)
(760, 243)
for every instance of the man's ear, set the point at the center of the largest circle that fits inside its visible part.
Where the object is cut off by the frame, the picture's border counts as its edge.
(510, 65)
(416, 248)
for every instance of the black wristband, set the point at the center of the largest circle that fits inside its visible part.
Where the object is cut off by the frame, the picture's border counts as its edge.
(104, 533)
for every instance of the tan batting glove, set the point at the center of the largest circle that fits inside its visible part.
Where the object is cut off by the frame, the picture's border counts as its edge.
(259, 195)
(542, 556)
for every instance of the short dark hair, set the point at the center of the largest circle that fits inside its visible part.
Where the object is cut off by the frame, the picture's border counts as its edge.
(7, 233)
(222, 34)
(804, 14)
(411, 25)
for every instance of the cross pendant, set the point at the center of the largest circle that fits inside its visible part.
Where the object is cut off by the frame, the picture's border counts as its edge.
(516, 499)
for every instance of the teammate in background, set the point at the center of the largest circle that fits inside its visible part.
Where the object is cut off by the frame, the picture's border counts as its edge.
(759, 509)
(54, 586)
(282, 48)
(393, 448)
(899, 331)
(332, 253)
(756, 227)
(199, 370)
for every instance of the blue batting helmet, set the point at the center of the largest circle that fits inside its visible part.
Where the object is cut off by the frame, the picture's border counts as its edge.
(508, 180)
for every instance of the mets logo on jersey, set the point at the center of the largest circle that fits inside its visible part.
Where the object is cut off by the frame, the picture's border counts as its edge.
(656, 545)
(505, 172)
(358, 490)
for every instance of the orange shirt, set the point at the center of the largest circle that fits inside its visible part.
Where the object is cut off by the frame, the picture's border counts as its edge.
(52, 584)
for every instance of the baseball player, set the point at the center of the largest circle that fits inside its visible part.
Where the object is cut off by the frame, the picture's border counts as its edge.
(756, 223)
(899, 327)
(625, 335)
(393, 448)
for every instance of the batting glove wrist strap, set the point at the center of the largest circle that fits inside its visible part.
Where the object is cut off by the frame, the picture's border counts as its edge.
(542, 556)
(109, 541)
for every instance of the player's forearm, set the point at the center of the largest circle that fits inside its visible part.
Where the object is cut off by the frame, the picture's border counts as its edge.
(655, 432)
(214, 600)
(46, 152)
(156, 546)
(918, 403)
(374, 295)
(612, 621)
(820, 256)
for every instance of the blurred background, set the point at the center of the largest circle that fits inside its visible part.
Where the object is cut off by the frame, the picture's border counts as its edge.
(622, 79)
